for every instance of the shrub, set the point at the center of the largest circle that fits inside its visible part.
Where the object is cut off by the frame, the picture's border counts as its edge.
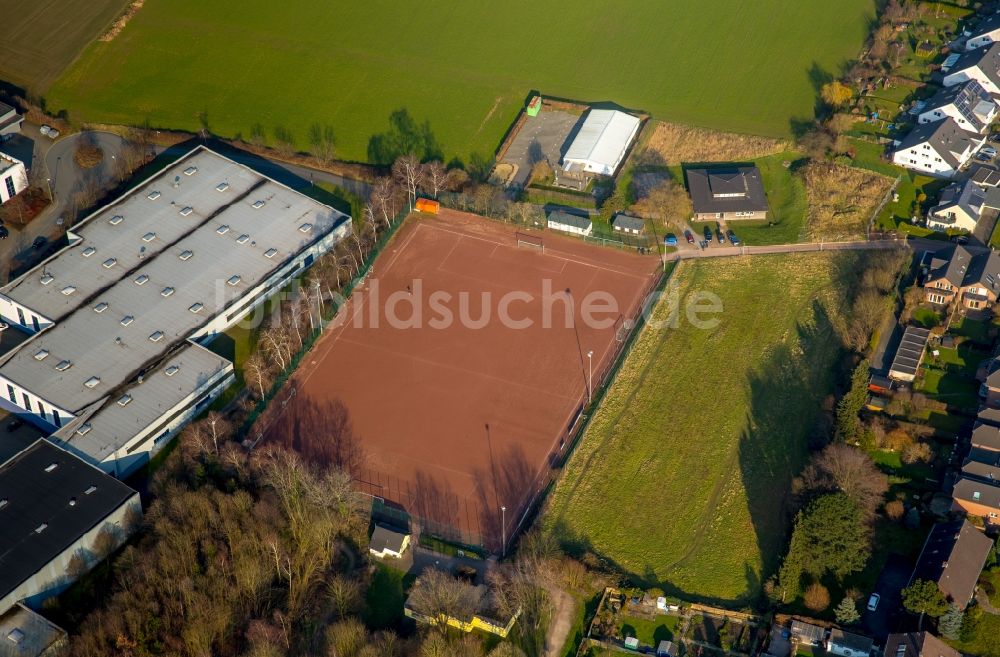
(817, 597)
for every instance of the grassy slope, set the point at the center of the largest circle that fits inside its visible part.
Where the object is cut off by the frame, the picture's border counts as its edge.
(40, 38)
(681, 476)
(465, 67)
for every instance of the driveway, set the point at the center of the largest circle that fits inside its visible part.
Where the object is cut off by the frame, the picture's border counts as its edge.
(884, 620)
(59, 174)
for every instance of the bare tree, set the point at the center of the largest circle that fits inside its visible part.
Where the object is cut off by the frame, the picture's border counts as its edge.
(218, 429)
(408, 171)
(276, 344)
(323, 142)
(381, 199)
(345, 594)
(439, 596)
(841, 467)
(258, 372)
(670, 202)
(435, 179)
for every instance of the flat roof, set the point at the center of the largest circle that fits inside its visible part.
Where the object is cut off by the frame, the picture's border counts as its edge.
(910, 351)
(47, 509)
(24, 633)
(198, 235)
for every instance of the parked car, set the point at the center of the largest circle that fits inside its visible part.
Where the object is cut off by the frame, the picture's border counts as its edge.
(873, 601)
(670, 239)
(689, 237)
(960, 239)
(4, 232)
(53, 133)
(14, 424)
(983, 157)
(995, 138)
(708, 234)
(732, 238)
(4, 326)
(39, 242)
(989, 150)
(45, 130)
(720, 235)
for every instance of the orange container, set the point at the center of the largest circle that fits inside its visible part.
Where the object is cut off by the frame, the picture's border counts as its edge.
(428, 205)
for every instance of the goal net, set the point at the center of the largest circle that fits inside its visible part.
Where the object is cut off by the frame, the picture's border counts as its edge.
(622, 328)
(531, 241)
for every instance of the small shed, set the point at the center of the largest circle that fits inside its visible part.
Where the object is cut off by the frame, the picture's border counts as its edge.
(846, 644)
(387, 542)
(570, 223)
(876, 404)
(666, 649)
(534, 106)
(807, 633)
(880, 384)
(632, 643)
(624, 223)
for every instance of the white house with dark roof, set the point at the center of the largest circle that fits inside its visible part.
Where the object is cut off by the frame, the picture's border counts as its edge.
(569, 223)
(937, 149)
(984, 34)
(13, 177)
(959, 207)
(981, 65)
(969, 104)
(625, 223)
(848, 644)
(117, 362)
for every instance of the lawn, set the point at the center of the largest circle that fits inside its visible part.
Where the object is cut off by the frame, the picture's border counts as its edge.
(40, 38)
(650, 633)
(385, 597)
(463, 68)
(681, 477)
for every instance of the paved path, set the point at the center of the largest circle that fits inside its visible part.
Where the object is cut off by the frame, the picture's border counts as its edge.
(809, 247)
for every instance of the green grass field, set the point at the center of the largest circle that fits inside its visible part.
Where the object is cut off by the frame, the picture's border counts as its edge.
(464, 68)
(680, 479)
(40, 38)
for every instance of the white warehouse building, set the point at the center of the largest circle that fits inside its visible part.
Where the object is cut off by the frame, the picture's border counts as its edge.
(602, 142)
(121, 317)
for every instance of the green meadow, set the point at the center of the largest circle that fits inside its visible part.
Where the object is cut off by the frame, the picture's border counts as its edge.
(460, 70)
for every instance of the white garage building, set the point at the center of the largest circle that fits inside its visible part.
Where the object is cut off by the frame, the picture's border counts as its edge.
(120, 318)
(602, 142)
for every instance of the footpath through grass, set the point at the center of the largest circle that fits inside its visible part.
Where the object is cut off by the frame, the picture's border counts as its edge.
(465, 68)
(682, 476)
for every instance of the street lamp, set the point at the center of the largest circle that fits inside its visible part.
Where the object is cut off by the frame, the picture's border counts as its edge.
(319, 304)
(48, 185)
(590, 383)
(503, 530)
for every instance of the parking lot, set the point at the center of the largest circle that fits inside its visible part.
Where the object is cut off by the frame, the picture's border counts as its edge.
(542, 137)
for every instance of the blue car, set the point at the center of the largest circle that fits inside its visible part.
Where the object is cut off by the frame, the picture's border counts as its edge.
(670, 240)
(735, 241)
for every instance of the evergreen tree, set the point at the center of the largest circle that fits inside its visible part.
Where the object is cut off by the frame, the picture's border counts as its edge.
(950, 625)
(848, 425)
(847, 612)
(924, 597)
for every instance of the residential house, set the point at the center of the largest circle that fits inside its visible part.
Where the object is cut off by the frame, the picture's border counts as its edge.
(955, 274)
(917, 644)
(986, 437)
(623, 223)
(666, 649)
(846, 644)
(386, 542)
(981, 65)
(984, 34)
(959, 207)
(953, 556)
(10, 121)
(937, 149)
(13, 177)
(989, 416)
(984, 176)
(977, 491)
(977, 498)
(727, 193)
(969, 104)
(807, 634)
(23, 633)
(569, 223)
(909, 354)
(54, 508)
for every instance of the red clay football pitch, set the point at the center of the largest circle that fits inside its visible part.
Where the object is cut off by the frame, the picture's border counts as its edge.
(458, 419)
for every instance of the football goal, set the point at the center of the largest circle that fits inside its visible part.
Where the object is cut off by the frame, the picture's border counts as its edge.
(530, 241)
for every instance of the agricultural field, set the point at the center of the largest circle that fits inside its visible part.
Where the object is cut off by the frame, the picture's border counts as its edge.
(40, 38)
(460, 71)
(681, 477)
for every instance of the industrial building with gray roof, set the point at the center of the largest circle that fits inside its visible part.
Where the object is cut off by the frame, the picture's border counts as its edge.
(121, 315)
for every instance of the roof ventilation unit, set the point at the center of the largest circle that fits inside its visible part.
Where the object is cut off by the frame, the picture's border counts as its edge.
(126, 320)
(124, 399)
(84, 429)
(115, 220)
(257, 205)
(110, 262)
(186, 210)
(186, 255)
(233, 280)
(68, 290)
(51, 466)
(92, 382)
(149, 237)
(196, 307)
(243, 239)
(41, 354)
(152, 196)
(222, 186)
(89, 251)
(101, 307)
(173, 369)
(156, 336)
(47, 278)
(166, 292)
(190, 171)
(305, 228)
(63, 365)
(223, 229)
(141, 279)
(270, 253)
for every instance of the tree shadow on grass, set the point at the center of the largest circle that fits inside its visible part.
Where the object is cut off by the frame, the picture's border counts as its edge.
(320, 431)
(404, 136)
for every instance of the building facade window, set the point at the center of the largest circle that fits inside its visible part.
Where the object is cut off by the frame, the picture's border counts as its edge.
(9, 182)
